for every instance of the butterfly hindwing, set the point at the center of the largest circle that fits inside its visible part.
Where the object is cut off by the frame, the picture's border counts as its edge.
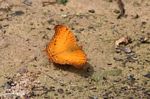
(76, 58)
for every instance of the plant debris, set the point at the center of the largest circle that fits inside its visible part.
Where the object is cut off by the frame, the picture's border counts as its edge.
(46, 3)
(123, 40)
(62, 1)
(147, 75)
(122, 9)
(22, 85)
(144, 39)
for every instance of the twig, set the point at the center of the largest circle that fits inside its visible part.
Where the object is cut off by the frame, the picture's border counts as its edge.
(52, 78)
(121, 7)
(46, 3)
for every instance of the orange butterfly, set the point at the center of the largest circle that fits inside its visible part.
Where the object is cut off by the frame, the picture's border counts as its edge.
(63, 48)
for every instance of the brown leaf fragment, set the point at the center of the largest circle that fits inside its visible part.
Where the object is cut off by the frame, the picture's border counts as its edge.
(123, 40)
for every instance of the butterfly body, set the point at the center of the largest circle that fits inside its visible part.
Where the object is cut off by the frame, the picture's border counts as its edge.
(63, 48)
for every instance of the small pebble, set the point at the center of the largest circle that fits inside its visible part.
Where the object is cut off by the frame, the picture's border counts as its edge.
(144, 23)
(136, 16)
(61, 9)
(110, 0)
(117, 59)
(55, 94)
(130, 97)
(60, 91)
(118, 50)
(52, 88)
(127, 50)
(45, 37)
(17, 13)
(68, 93)
(109, 63)
(116, 11)
(105, 97)
(63, 15)
(81, 29)
(93, 88)
(27, 2)
(131, 57)
(9, 84)
(92, 11)
(23, 69)
(89, 69)
(93, 97)
(143, 39)
(50, 21)
(147, 75)
(131, 78)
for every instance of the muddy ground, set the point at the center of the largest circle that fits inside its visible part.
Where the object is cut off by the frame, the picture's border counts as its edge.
(26, 26)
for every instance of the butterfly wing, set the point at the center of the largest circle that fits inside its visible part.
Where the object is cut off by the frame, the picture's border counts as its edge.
(75, 57)
(59, 42)
(63, 48)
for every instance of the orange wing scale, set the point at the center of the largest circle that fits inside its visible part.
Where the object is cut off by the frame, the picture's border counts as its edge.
(63, 48)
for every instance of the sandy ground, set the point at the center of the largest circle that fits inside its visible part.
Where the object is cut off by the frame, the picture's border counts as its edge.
(27, 26)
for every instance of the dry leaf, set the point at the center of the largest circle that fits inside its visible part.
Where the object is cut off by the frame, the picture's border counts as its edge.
(123, 40)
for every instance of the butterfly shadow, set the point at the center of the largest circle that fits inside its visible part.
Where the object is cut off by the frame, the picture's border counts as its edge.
(86, 72)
